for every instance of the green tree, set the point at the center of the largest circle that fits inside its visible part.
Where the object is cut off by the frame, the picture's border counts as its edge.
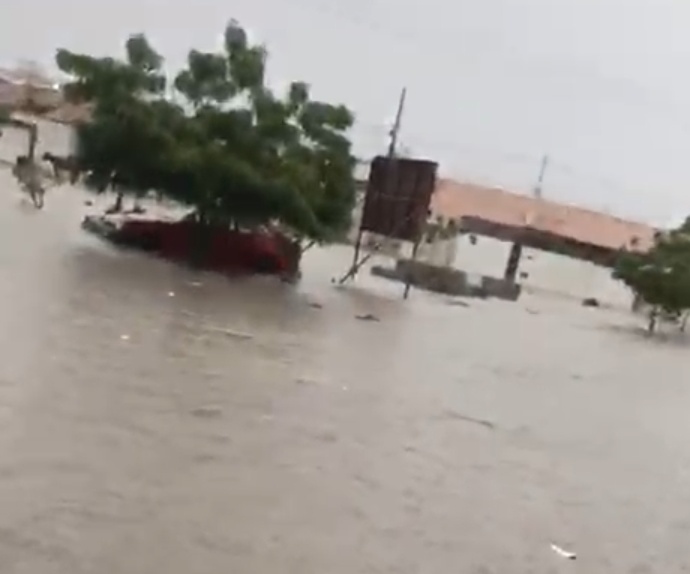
(119, 147)
(661, 276)
(215, 138)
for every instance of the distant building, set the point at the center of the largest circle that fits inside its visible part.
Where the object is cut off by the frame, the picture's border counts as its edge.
(34, 98)
(501, 214)
(566, 249)
(28, 89)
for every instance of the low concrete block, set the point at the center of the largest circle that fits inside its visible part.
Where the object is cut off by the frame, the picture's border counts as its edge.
(448, 280)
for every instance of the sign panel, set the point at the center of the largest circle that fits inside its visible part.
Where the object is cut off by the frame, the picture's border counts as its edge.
(398, 195)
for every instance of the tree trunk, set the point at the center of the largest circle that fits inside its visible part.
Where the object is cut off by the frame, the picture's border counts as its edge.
(653, 314)
(117, 206)
(304, 247)
(200, 240)
(683, 321)
(119, 201)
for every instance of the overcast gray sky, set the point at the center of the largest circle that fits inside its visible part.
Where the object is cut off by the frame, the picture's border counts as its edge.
(603, 86)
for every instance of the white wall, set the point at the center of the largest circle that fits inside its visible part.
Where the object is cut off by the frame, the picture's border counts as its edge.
(546, 271)
(56, 138)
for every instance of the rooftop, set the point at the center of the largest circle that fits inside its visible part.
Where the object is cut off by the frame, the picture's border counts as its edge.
(453, 199)
(27, 75)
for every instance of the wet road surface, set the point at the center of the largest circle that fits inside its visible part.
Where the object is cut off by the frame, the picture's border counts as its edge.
(154, 420)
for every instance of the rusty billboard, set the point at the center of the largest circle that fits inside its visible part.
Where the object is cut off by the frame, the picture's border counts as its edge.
(397, 198)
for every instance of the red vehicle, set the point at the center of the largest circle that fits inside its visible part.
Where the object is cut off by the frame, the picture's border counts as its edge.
(218, 249)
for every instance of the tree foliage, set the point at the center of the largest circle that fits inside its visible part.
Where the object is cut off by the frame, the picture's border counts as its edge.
(661, 276)
(215, 137)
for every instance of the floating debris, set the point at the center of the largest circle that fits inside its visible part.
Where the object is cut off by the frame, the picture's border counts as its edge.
(324, 436)
(171, 293)
(124, 337)
(458, 303)
(308, 381)
(563, 553)
(237, 334)
(368, 317)
(315, 305)
(196, 284)
(207, 412)
(468, 419)
(228, 332)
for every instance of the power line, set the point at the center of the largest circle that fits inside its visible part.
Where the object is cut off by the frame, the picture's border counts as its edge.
(503, 156)
(380, 130)
(646, 98)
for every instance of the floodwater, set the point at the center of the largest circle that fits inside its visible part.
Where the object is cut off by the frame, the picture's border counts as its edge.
(158, 421)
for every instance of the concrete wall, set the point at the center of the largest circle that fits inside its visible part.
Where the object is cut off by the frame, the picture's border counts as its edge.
(448, 280)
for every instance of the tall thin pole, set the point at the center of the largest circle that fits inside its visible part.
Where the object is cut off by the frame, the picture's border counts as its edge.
(395, 129)
(515, 255)
(390, 176)
(542, 173)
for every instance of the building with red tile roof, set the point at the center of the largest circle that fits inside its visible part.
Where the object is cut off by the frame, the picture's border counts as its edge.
(494, 208)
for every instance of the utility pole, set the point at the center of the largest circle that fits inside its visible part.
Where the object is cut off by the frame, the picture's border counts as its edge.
(395, 130)
(390, 176)
(540, 182)
(391, 170)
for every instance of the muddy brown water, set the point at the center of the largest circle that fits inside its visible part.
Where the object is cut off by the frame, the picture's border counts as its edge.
(158, 421)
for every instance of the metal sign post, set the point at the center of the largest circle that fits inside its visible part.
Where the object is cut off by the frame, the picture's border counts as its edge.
(396, 204)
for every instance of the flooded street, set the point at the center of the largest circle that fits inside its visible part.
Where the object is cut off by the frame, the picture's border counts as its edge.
(154, 420)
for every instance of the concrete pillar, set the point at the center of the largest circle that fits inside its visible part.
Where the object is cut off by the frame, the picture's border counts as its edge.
(513, 262)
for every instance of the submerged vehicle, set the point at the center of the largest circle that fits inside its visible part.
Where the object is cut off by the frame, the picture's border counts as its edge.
(218, 249)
